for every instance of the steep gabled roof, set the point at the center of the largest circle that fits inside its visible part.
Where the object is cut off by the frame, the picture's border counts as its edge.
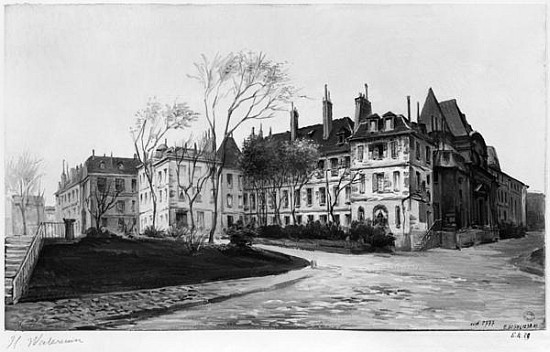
(431, 108)
(455, 118)
(315, 133)
(232, 154)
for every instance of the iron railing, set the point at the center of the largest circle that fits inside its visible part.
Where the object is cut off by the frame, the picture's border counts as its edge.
(427, 239)
(22, 276)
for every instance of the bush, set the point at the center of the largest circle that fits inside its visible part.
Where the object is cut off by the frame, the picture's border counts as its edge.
(271, 231)
(193, 241)
(177, 231)
(240, 236)
(381, 240)
(509, 230)
(153, 232)
(361, 230)
(92, 232)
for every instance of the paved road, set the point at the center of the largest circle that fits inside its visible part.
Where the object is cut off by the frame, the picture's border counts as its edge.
(438, 289)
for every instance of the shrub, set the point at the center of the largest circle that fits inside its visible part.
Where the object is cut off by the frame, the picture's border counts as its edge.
(177, 231)
(193, 241)
(240, 236)
(509, 230)
(381, 240)
(93, 232)
(271, 231)
(361, 230)
(153, 232)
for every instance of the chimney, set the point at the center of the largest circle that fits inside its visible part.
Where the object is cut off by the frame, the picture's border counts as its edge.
(417, 111)
(293, 123)
(252, 131)
(93, 154)
(362, 107)
(327, 114)
(409, 107)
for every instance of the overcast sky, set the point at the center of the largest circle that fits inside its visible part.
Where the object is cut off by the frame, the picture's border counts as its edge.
(75, 75)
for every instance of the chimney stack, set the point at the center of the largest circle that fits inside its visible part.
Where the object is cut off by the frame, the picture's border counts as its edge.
(327, 114)
(409, 107)
(363, 107)
(293, 123)
(417, 111)
(252, 130)
(93, 154)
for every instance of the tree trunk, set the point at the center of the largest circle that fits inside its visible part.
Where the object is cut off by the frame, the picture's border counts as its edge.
(215, 191)
(22, 208)
(192, 214)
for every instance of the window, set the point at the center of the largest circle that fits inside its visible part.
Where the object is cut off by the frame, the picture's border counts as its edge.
(309, 196)
(159, 178)
(340, 138)
(389, 124)
(200, 219)
(102, 165)
(298, 219)
(101, 184)
(310, 218)
(134, 185)
(211, 196)
(229, 221)
(181, 197)
(393, 148)
(240, 200)
(165, 175)
(322, 196)
(287, 220)
(417, 151)
(240, 183)
(337, 218)
(119, 184)
(334, 167)
(323, 219)
(396, 181)
(397, 216)
(160, 198)
(377, 182)
(253, 201)
(361, 214)
(285, 198)
(347, 193)
(378, 151)
(104, 222)
(321, 165)
(245, 201)
(347, 162)
(428, 155)
(297, 198)
(335, 192)
(133, 206)
(372, 126)
(428, 179)
(360, 151)
(362, 181)
(120, 166)
(229, 200)
(417, 180)
(229, 180)
(120, 206)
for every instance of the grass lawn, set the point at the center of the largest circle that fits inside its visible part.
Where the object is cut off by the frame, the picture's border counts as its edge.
(98, 265)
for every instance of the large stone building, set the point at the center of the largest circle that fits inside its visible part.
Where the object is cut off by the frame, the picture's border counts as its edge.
(181, 180)
(535, 210)
(406, 175)
(102, 181)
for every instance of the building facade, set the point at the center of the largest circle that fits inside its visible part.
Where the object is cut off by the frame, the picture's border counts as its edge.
(108, 183)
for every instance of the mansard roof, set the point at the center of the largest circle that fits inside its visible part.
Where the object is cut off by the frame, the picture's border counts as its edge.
(400, 124)
(112, 165)
(331, 145)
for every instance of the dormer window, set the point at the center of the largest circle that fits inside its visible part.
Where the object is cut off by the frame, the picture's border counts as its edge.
(341, 138)
(389, 124)
(120, 166)
(102, 165)
(372, 126)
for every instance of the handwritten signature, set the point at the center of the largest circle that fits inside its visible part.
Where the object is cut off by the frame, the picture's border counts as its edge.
(40, 340)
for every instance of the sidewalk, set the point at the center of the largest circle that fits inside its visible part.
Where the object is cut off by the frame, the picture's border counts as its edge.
(103, 310)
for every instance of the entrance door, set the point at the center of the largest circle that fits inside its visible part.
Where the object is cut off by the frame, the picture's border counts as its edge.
(181, 219)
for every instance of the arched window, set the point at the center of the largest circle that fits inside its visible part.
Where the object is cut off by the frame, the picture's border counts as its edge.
(361, 214)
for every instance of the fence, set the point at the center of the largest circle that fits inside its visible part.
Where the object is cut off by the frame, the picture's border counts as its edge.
(52, 230)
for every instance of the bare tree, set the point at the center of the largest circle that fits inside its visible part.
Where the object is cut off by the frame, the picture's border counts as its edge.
(194, 166)
(151, 125)
(22, 179)
(242, 87)
(345, 179)
(103, 198)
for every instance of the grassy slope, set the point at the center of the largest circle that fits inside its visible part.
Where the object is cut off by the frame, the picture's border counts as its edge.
(108, 265)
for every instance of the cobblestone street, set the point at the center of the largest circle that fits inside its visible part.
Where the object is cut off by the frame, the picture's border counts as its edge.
(438, 289)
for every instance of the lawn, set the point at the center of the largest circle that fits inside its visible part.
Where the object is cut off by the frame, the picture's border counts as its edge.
(98, 265)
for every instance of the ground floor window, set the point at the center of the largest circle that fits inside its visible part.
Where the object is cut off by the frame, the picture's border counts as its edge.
(397, 216)
(229, 220)
(337, 218)
(298, 219)
(361, 214)
(310, 218)
(323, 219)
(287, 220)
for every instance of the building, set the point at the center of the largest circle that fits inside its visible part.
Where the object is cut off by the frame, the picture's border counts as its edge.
(184, 191)
(34, 214)
(535, 210)
(330, 186)
(102, 184)
(405, 175)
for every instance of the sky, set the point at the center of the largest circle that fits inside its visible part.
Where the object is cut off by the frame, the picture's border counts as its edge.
(75, 75)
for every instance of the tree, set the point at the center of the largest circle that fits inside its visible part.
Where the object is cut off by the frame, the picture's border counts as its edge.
(103, 198)
(152, 123)
(22, 178)
(301, 157)
(346, 179)
(194, 167)
(241, 87)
